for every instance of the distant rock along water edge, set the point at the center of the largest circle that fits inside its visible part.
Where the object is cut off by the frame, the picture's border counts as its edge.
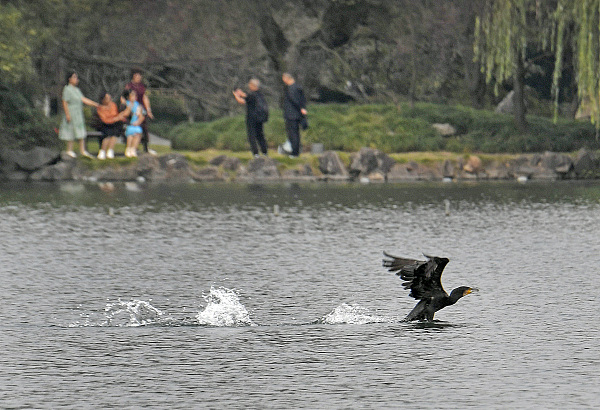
(366, 165)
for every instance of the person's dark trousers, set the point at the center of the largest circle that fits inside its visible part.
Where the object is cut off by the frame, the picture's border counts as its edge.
(256, 137)
(145, 138)
(292, 127)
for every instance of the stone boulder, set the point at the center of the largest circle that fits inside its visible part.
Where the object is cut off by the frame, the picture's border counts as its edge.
(331, 164)
(61, 171)
(549, 166)
(128, 173)
(8, 162)
(31, 160)
(559, 163)
(412, 171)
(175, 166)
(260, 168)
(16, 175)
(376, 177)
(218, 160)
(228, 163)
(507, 105)
(368, 161)
(170, 161)
(231, 163)
(210, 173)
(150, 167)
(542, 167)
(303, 173)
(448, 169)
(521, 167)
(497, 170)
(445, 130)
(586, 165)
(473, 165)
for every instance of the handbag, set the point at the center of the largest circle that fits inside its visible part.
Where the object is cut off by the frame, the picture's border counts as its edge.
(304, 122)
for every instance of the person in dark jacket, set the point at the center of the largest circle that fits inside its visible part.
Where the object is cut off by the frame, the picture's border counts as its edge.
(294, 111)
(257, 113)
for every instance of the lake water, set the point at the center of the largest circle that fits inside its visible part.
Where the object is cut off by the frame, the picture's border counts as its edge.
(273, 296)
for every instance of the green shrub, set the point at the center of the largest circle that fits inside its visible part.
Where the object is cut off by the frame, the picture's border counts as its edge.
(275, 129)
(192, 137)
(390, 128)
(21, 125)
(233, 141)
(166, 108)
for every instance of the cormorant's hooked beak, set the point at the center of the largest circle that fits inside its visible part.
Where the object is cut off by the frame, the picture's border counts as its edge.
(470, 290)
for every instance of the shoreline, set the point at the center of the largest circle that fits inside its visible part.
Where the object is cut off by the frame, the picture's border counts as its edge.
(367, 165)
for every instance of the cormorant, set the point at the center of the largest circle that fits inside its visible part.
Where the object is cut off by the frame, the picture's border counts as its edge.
(423, 278)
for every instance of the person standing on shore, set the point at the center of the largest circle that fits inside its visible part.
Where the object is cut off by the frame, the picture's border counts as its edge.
(72, 126)
(257, 113)
(138, 86)
(294, 111)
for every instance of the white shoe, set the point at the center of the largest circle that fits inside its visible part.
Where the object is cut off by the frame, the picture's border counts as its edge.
(152, 152)
(71, 154)
(110, 154)
(101, 154)
(86, 154)
(287, 146)
(128, 152)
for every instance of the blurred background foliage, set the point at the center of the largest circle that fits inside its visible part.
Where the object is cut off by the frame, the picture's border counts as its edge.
(376, 72)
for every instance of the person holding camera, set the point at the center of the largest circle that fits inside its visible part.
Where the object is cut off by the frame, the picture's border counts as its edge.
(257, 113)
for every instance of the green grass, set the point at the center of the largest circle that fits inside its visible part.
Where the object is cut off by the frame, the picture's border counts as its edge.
(395, 129)
(93, 163)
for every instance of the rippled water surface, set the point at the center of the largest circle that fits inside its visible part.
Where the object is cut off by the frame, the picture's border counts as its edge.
(273, 296)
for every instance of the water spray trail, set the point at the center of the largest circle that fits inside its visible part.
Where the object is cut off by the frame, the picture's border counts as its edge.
(223, 309)
(133, 313)
(352, 314)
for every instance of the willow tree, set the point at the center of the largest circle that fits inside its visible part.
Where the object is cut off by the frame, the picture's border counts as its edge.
(504, 33)
(578, 22)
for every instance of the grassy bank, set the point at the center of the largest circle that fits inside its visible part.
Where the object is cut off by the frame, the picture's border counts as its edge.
(396, 129)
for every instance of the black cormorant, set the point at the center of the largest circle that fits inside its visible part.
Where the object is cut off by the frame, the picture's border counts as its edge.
(423, 278)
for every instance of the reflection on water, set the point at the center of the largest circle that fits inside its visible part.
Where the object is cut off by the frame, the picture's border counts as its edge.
(435, 325)
(315, 194)
(273, 296)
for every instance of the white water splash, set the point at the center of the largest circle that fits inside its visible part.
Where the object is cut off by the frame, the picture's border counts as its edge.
(224, 309)
(133, 313)
(352, 314)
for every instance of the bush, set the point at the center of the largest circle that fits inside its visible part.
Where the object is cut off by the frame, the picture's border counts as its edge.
(21, 125)
(390, 128)
(192, 137)
(167, 108)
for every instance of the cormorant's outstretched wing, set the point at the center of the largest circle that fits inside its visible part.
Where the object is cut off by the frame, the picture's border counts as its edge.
(423, 278)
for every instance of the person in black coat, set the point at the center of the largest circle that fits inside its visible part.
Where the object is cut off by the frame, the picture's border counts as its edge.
(294, 111)
(257, 113)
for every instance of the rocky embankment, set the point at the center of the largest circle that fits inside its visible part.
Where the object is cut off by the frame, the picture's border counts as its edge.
(42, 164)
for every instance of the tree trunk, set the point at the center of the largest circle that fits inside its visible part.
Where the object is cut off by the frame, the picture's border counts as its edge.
(519, 98)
